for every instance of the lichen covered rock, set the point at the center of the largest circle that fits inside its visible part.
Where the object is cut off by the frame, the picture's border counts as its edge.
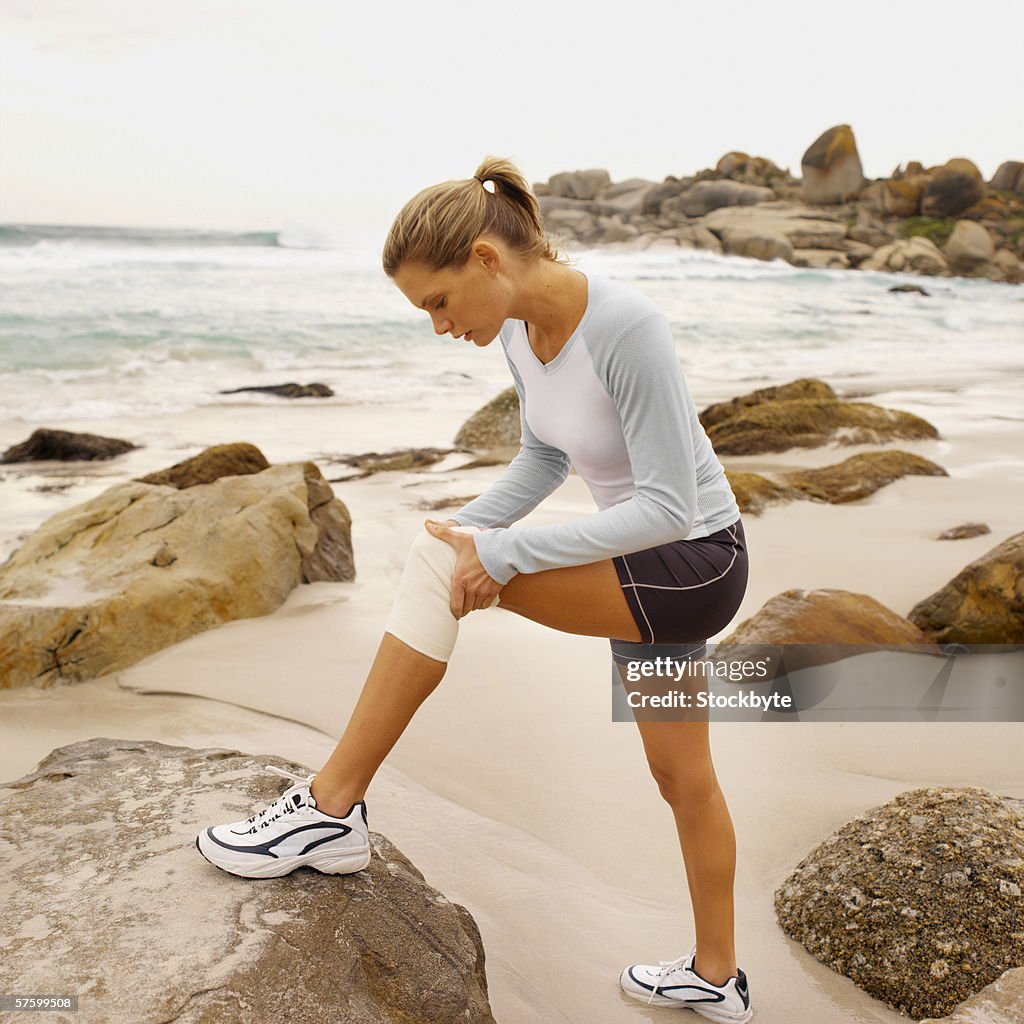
(919, 902)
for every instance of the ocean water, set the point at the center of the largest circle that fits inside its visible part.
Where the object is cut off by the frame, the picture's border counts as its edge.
(97, 323)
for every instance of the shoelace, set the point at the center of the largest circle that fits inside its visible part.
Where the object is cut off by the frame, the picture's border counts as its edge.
(282, 805)
(667, 967)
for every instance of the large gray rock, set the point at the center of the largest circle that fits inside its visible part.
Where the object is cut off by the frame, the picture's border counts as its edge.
(578, 184)
(969, 248)
(105, 895)
(772, 230)
(705, 196)
(1009, 177)
(495, 425)
(831, 167)
(142, 566)
(919, 902)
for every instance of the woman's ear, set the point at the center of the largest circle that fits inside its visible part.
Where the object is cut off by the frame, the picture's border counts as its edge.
(487, 254)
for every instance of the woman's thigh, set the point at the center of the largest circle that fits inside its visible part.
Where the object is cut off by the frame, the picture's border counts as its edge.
(583, 599)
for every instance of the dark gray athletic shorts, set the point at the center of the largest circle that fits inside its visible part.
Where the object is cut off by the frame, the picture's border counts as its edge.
(685, 591)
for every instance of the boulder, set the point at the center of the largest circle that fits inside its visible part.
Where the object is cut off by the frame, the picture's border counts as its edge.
(142, 566)
(982, 604)
(951, 189)
(964, 531)
(108, 898)
(705, 196)
(668, 189)
(831, 167)
(1009, 178)
(753, 170)
(579, 184)
(969, 248)
(579, 222)
(806, 387)
(908, 289)
(65, 446)
(810, 423)
(918, 901)
(772, 230)
(859, 476)
(238, 459)
(902, 198)
(918, 254)
(627, 198)
(613, 229)
(551, 204)
(823, 617)
(496, 425)
(754, 492)
(290, 390)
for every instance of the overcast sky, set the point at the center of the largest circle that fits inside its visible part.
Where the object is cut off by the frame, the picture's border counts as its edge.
(275, 113)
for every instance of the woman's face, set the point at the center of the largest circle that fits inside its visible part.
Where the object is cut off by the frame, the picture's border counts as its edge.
(468, 302)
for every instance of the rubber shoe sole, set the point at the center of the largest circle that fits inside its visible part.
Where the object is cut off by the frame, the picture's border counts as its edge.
(327, 863)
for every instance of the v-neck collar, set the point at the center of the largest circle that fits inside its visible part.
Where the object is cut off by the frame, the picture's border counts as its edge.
(563, 352)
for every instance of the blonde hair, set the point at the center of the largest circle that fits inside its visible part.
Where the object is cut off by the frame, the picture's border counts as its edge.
(439, 225)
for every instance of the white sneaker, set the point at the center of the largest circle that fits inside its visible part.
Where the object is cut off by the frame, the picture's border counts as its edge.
(676, 983)
(289, 833)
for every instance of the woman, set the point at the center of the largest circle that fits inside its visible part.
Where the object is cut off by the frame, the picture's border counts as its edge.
(663, 561)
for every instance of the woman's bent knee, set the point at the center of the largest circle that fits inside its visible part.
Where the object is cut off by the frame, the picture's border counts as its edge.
(687, 790)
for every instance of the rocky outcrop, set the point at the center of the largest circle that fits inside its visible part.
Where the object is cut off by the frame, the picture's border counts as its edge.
(919, 901)
(109, 898)
(805, 387)
(290, 390)
(238, 459)
(142, 566)
(859, 476)
(65, 446)
(832, 219)
(982, 604)
(496, 425)
(809, 423)
(831, 167)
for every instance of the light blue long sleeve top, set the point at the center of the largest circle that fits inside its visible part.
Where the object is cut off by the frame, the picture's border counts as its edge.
(614, 405)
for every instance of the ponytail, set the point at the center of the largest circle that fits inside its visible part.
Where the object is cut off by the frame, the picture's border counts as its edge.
(439, 225)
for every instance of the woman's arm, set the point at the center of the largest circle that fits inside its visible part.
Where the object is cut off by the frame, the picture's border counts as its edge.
(641, 372)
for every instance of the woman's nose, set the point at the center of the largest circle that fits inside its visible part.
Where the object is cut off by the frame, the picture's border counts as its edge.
(442, 326)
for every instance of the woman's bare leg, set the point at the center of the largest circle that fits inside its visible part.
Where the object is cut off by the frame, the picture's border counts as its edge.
(679, 756)
(401, 679)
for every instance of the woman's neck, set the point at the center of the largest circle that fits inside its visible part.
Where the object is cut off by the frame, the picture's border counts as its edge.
(552, 299)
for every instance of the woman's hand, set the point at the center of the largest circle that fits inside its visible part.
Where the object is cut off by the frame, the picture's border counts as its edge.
(472, 588)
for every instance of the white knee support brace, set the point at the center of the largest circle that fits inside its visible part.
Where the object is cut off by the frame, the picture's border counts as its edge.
(421, 615)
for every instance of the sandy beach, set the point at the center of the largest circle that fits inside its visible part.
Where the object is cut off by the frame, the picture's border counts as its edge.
(513, 791)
